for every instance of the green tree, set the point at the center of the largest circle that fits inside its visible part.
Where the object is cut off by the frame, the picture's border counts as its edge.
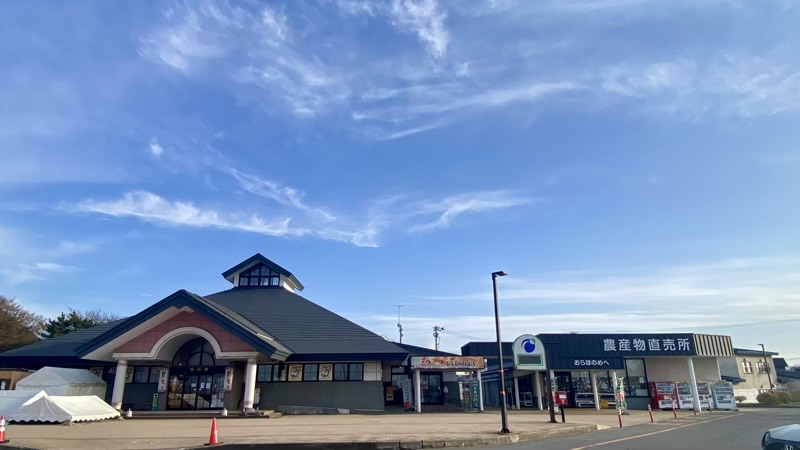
(77, 320)
(19, 326)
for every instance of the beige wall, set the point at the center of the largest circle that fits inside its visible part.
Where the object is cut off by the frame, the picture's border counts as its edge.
(677, 369)
(755, 380)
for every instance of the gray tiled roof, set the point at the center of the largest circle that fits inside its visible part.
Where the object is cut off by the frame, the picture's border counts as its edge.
(60, 346)
(301, 325)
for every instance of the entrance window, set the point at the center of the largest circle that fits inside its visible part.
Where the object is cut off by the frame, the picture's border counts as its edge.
(196, 379)
(195, 353)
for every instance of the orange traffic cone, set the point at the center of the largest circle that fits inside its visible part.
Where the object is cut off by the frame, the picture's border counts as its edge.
(212, 440)
(3, 439)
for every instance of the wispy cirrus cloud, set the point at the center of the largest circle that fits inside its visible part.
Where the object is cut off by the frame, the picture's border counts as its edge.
(396, 214)
(425, 18)
(451, 208)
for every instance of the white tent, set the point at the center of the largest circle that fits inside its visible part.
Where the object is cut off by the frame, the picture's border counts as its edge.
(60, 381)
(27, 406)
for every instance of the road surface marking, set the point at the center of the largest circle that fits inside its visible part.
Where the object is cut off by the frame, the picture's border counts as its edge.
(655, 432)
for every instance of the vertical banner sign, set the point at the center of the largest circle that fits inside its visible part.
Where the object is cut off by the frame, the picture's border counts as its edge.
(474, 395)
(154, 406)
(163, 376)
(408, 397)
(228, 379)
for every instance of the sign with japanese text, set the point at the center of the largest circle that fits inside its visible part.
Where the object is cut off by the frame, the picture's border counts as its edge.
(163, 378)
(447, 362)
(295, 372)
(647, 344)
(326, 372)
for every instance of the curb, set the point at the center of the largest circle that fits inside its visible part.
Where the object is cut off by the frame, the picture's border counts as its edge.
(491, 440)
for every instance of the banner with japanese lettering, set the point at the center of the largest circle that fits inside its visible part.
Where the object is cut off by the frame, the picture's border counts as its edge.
(590, 346)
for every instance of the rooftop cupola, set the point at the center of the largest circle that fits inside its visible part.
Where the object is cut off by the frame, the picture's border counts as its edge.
(258, 271)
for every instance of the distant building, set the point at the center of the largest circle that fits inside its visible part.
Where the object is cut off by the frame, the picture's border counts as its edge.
(750, 374)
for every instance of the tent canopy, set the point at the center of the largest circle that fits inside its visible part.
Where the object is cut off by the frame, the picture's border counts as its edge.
(60, 381)
(28, 406)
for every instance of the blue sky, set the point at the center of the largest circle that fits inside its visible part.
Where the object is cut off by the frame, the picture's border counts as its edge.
(633, 165)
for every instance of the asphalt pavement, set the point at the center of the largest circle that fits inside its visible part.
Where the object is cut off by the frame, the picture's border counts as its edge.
(740, 430)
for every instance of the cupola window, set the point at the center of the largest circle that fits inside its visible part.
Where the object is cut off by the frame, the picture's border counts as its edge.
(259, 275)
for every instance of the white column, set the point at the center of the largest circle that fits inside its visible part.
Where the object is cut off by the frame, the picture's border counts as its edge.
(480, 389)
(719, 372)
(693, 385)
(250, 384)
(538, 379)
(516, 391)
(119, 384)
(595, 391)
(417, 391)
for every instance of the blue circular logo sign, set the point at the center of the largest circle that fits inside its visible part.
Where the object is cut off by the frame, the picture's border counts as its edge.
(529, 345)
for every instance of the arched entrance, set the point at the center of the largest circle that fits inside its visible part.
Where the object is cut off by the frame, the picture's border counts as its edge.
(197, 379)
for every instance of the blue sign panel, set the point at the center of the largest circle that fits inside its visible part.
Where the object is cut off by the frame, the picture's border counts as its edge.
(620, 345)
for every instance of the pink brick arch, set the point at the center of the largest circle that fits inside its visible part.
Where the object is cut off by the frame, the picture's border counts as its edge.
(146, 342)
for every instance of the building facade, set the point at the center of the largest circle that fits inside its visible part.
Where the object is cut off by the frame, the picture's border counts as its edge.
(256, 345)
(587, 367)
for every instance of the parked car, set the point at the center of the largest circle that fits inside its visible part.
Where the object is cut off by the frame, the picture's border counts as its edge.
(782, 438)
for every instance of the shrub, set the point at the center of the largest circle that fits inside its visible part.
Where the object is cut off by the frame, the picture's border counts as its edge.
(740, 398)
(795, 396)
(767, 398)
(782, 398)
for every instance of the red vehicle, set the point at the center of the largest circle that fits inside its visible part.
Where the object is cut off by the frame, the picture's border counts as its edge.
(662, 394)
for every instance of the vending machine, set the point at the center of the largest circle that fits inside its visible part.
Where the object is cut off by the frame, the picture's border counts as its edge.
(661, 393)
(684, 391)
(722, 393)
(704, 394)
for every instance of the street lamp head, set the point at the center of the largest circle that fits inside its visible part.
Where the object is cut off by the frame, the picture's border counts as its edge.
(498, 274)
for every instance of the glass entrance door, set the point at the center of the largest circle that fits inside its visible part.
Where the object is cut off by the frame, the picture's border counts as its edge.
(196, 391)
(431, 388)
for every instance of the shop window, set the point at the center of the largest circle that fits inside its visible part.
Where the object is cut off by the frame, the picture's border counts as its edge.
(310, 372)
(145, 375)
(356, 372)
(260, 275)
(747, 367)
(340, 372)
(581, 382)
(264, 373)
(636, 380)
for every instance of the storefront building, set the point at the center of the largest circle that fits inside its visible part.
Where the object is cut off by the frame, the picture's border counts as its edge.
(256, 345)
(586, 365)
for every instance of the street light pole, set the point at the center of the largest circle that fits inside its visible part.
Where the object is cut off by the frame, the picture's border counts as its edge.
(766, 368)
(503, 406)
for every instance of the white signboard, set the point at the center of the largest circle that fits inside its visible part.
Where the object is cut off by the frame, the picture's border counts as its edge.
(529, 353)
(228, 379)
(163, 377)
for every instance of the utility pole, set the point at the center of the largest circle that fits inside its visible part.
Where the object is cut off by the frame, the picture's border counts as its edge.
(399, 326)
(766, 368)
(436, 331)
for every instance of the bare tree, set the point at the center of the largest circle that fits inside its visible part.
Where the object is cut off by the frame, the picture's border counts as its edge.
(19, 326)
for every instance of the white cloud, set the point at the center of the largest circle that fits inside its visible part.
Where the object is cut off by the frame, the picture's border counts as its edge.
(155, 148)
(282, 194)
(189, 40)
(451, 208)
(276, 23)
(153, 208)
(22, 273)
(364, 230)
(426, 19)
